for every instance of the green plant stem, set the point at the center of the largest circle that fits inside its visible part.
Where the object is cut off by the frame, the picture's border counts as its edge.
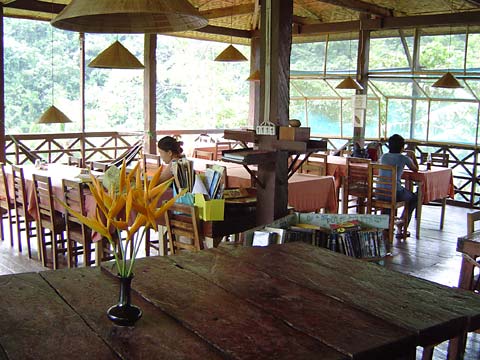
(117, 260)
(137, 248)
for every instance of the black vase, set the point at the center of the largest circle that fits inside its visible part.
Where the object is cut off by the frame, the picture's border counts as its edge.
(124, 313)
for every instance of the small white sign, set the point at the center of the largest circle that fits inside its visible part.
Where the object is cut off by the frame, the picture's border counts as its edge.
(359, 101)
(266, 128)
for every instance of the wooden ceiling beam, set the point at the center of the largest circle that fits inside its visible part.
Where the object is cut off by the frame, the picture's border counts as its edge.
(228, 11)
(33, 5)
(473, 2)
(304, 20)
(218, 30)
(459, 19)
(462, 18)
(361, 6)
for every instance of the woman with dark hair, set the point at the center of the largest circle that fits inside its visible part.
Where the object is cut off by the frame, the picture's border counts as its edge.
(170, 150)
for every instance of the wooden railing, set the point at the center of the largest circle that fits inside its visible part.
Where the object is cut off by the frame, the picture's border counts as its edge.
(463, 162)
(109, 145)
(57, 147)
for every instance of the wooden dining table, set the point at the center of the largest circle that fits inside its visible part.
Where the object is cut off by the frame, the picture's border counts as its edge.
(238, 218)
(433, 184)
(305, 192)
(290, 301)
(469, 246)
(56, 173)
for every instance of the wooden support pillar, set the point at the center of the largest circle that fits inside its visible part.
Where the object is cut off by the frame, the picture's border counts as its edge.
(81, 39)
(362, 74)
(2, 93)
(276, 40)
(150, 94)
(254, 101)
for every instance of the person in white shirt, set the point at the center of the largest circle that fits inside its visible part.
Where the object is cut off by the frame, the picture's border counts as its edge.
(395, 157)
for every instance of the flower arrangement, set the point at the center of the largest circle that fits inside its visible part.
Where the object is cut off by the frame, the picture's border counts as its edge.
(129, 203)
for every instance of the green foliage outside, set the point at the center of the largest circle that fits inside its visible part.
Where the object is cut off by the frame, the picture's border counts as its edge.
(395, 105)
(193, 91)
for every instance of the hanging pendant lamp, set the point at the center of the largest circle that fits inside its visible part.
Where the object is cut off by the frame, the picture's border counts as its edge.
(349, 83)
(53, 116)
(447, 81)
(231, 53)
(116, 56)
(129, 17)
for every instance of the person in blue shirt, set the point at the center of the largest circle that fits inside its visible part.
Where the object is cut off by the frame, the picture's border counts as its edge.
(400, 158)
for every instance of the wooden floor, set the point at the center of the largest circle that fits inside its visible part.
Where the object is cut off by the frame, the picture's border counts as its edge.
(432, 257)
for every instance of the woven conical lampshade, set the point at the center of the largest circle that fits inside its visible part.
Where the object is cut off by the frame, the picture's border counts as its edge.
(349, 83)
(230, 54)
(116, 56)
(129, 17)
(447, 81)
(255, 76)
(53, 116)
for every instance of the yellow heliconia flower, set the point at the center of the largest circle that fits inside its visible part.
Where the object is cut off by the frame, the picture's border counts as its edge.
(133, 204)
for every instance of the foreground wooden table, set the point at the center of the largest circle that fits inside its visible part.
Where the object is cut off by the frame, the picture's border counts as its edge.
(285, 301)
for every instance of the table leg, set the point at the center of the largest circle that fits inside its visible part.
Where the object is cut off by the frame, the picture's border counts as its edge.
(442, 215)
(466, 275)
(456, 347)
(217, 240)
(418, 213)
(428, 353)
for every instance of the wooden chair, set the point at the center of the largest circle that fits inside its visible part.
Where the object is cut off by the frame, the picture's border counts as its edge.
(75, 161)
(316, 164)
(98, 166)
(79, 236)
(48, 219)
(474, 275)
(442, 160)
(355, 184)
(221, 146)
(202, 154)
(151, 161)
(183, 225)
(472, 218)
(382, 195)
(438, 159)
(21, 211)
(7, 207)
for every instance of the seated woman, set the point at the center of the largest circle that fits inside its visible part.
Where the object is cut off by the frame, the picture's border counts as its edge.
(394, 157)
(170, 150)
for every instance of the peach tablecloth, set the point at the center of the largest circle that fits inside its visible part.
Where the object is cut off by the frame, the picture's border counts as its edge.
(56, 172)
(336, 167)
(436, 183)
(305, 192)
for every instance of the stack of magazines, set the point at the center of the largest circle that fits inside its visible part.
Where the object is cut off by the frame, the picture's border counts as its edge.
(183, 174)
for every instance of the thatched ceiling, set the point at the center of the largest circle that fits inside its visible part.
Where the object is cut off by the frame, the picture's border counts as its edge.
(312, 18)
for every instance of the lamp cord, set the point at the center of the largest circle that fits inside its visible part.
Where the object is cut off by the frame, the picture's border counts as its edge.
(51, 69)
(51, 59)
